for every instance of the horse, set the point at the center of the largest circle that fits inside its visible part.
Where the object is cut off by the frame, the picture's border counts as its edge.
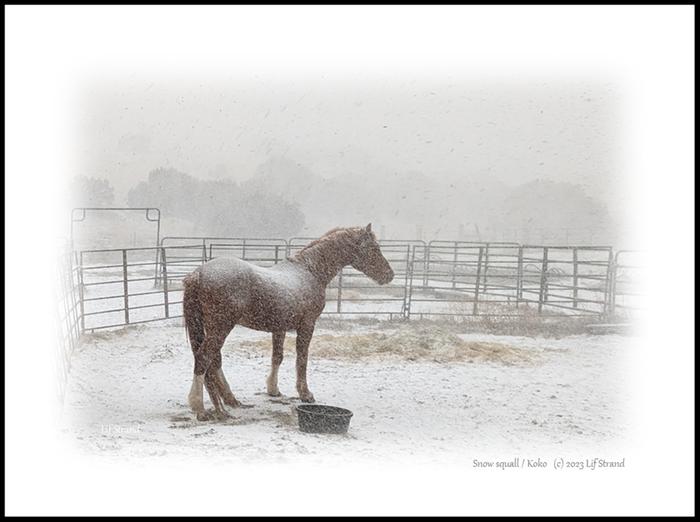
(290, 295)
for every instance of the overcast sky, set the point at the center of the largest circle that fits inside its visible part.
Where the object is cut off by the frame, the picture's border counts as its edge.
(512, 131)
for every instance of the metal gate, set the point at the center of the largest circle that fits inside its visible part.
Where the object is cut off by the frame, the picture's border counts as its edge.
(116, 287)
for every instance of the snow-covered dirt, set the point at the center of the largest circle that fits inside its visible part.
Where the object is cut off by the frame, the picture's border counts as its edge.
(417, 392)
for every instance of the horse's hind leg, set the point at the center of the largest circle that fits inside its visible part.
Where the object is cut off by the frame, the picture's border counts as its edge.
(211, 382)
(196, 397)
(205, 374)
(219, 380)
(277, 356)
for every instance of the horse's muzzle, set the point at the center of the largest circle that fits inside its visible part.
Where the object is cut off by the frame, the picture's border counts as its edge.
(388, 278)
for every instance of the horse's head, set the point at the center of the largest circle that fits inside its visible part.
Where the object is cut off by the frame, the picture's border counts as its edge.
(368, 258)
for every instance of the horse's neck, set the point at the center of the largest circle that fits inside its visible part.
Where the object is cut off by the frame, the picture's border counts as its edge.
(325, 260)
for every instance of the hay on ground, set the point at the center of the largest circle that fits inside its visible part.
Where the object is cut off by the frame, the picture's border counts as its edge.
(440, 347)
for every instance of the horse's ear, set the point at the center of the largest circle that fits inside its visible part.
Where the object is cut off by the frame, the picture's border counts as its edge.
(368, 228)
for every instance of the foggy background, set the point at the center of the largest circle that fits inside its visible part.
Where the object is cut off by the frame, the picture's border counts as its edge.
(527, 162)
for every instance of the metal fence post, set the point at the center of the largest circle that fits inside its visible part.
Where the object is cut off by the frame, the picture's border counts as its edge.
(165, 283)
(157, 275)
(75, 304)
(486, 266)
(277, 254)
(607, 310)
(613, 286)
(519, 279)
(475, 311)
(161, 266)
(81, 294)
(575, 277)
(156, 271)
(340, 290)
(426, 263)
(410, 283)
(543, 278)
(454, 266)
(126, 286)
(405, 284)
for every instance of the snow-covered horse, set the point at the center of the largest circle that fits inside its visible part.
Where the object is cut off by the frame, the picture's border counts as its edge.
(287, 296)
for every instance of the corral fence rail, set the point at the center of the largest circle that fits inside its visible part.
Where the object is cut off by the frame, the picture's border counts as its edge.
(628, 272)
(117, 287)
(68, 315)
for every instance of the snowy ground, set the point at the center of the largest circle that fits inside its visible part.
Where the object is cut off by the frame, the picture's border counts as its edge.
(417, 394)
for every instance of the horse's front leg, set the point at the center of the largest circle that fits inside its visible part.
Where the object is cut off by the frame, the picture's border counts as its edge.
(277, 356)
(304, 334)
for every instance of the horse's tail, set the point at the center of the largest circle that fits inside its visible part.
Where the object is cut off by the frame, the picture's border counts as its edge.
(192, 310)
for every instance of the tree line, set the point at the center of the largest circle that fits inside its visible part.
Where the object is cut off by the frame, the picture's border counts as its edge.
(285, 199)
(215, 207)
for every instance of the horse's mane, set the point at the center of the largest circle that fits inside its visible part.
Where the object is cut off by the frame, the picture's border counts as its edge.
(328, 235)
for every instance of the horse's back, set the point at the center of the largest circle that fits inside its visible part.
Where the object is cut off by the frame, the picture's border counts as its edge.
(231, 271)
(267, 298)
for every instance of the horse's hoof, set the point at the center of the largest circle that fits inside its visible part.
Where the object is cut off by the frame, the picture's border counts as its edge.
(307, 398)
(222, 415)
(203, 416)
(235, 403)
(232, 401)
(274, 393)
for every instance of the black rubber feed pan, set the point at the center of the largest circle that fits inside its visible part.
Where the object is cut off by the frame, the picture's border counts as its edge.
(317, 418)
